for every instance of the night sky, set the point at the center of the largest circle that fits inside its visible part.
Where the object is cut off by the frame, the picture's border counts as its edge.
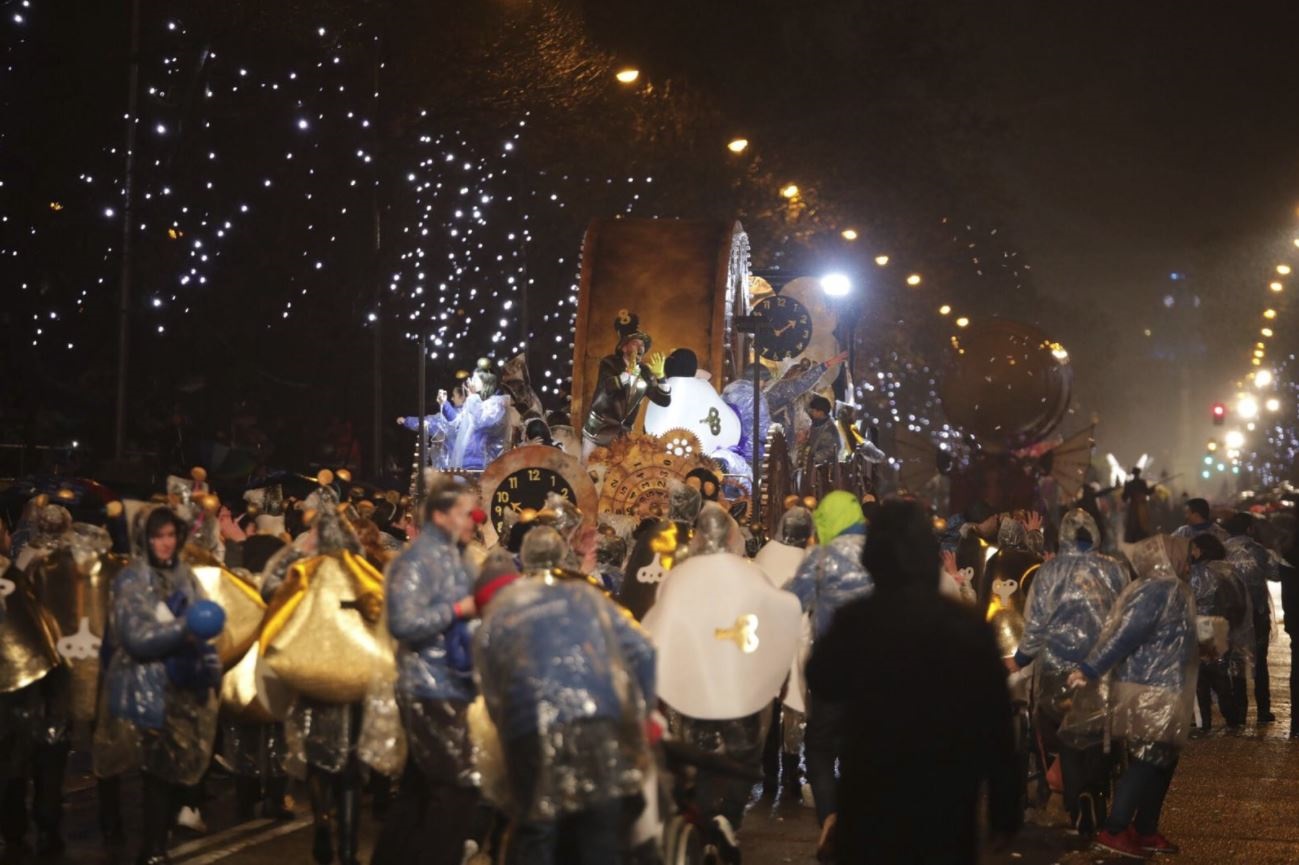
(1108, 144)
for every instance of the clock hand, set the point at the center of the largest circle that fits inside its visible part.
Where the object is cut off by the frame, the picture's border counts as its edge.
(779, 331)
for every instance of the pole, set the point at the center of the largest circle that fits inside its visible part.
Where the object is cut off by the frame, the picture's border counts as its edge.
(757, 432)
(128, 225)
(376, 380)
(423, 419)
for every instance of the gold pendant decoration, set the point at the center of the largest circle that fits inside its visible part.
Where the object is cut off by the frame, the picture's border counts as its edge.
(244, 608)
(239, 694)
(744, 633)
(323, 637)
(27, 637)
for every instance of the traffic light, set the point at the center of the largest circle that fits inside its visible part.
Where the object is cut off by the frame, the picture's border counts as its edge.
(1219, 414)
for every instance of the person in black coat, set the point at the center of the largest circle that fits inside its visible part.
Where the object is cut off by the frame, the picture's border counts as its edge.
(930, 711)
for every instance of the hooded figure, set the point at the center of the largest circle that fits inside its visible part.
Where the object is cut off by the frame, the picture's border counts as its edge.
(659, 547)
(779, 559)
(951, 722)
(726, 638)
(162, 680)
(567, 680)
(1257, 568)
(741, 397)
(1068, 604)
(1150, 644)
(832, 574)
(1221, 601)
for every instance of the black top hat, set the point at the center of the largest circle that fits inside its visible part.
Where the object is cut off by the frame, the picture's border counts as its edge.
(627, 324)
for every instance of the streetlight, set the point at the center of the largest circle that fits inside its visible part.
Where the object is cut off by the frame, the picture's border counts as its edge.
(913, 280)
(1247, 407)
(1235, 440)
(1276, 286)
(1262, 378)
(627, 75)
(1273, 404)
(881, 260)
(836, 284)
(945, 309)
(1283, 269)
(962, 322)
(1269, 314)
(1267, 331)
(738, 145)
(789, 190)
(849, 234)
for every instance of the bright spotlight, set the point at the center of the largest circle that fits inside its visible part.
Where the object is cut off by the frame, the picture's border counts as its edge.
(836, 284)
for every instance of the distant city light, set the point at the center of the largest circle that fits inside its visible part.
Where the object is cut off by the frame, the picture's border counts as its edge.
(738, 145)
(789, 190)
(849, 234)
(627, 75)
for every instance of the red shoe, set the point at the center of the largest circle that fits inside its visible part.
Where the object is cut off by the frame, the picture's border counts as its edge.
(1124, 844)
(1156, 843)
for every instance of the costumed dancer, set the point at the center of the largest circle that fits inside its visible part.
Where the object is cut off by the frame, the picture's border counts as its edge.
(788, 396)
(1222, 599)
(322, 729)
(35, 686)
(1150, 644)
(163, 678)
(622, 385)
(567, 679)
(429, 605)
(779, 559)
(726, 639)
(659, 545)
(830, 576)
(255, 749)
(1067, 607)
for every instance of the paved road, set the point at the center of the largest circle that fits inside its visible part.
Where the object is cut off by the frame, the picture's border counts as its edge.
(1235, 799)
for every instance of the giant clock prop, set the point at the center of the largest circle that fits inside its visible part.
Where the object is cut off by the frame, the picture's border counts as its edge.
(522, 478)
(790, 325)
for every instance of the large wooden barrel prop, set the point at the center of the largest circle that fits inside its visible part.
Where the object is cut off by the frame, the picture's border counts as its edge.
(685, 279)
(1006, 383)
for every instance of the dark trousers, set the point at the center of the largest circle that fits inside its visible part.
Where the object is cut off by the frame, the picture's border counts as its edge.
(822, 744)
(1294, 678)
(1086, 771)
(160, 801)
(434, 813)
(1139, 797)
(1226, 679)
(45, 776)
(738, 739)
(597, 835)
(590, 837)
(1262, 684)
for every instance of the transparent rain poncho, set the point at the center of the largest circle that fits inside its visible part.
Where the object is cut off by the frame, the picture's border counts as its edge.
(1257, 567)
(716, 532)
(1150, 645)
(1068, 603)
(1220, 592)
(566, 678)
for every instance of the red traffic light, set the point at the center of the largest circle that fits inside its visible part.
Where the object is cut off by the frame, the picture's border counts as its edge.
(1219, 413)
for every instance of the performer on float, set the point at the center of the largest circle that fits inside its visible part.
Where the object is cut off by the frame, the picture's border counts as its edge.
(163, 675)
(622, 384)
(740, 396)
(726, 639)
(568, 681)
(429, 602)
(471, 432)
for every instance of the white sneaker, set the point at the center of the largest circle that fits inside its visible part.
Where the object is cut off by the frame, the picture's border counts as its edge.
(191, 819)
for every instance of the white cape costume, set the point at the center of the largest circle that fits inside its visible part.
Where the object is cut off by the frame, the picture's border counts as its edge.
(726, 637)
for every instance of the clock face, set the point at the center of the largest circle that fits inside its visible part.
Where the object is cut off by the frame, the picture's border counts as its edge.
(791, 327)
(526, 488)
(523, 477)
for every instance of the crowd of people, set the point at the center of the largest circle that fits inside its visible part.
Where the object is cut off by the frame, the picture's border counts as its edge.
(581, 690)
